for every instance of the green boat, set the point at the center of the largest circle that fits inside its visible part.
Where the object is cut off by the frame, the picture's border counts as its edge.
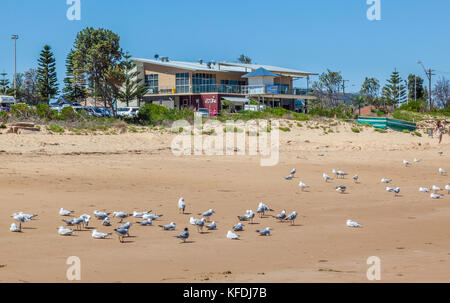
(385, 123)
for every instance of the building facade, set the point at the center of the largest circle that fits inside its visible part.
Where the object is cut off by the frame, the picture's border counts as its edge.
(215, 86)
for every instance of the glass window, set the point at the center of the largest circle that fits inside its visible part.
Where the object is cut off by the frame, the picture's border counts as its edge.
(182, 82)
(151, 81)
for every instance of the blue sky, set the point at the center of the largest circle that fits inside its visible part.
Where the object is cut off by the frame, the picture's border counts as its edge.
(302, 34)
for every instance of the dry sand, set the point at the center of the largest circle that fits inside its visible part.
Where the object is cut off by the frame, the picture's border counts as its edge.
(410, 233)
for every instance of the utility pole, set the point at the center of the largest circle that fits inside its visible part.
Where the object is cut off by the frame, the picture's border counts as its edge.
(429, 74)
(15, 37)
(415, 88)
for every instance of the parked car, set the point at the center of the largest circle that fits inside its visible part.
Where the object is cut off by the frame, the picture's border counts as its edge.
(127, 111)
(202, 112)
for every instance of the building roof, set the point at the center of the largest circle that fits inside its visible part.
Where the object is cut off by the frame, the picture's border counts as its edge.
(225, 67)
(260, 72)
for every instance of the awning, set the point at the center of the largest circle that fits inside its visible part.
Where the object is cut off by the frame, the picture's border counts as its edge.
(236, 100)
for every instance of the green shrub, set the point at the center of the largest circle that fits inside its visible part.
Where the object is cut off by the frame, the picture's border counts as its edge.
(44, 111)
(379, 130)
(405, 131)
(55, 128)
(285, 129)
(68, 114)
(355, 130)
(417, 134)
(414, 106)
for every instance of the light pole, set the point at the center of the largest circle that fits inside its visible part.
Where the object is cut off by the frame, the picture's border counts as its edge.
(15, 37)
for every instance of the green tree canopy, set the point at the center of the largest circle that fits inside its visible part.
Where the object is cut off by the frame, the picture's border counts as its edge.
(394, 92)
(47, 81)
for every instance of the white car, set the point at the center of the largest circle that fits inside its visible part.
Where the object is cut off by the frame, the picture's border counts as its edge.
(127, 111)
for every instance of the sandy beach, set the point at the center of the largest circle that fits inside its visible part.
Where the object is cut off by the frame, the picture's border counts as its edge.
(43, 172)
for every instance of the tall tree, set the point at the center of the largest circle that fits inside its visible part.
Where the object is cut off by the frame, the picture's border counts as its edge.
(328, 87)
(97, 54)
(75, 85)
(244, 59)
(46, 75)
(394, 92)
(133, 89)
(415, 88)
(370, 91)
(441, 93)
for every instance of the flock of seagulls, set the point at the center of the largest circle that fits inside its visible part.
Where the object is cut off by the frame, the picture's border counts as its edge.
(146, 218)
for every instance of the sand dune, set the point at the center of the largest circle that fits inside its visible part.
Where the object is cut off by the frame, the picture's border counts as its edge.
(42, 173)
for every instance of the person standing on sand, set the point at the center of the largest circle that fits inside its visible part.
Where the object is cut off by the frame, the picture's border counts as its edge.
(439, 130)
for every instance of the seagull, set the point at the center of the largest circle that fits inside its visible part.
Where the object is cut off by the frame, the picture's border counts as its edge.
(393, 190)
(405, 162)
(207, 213)
(386, 181)
(291, 217)
(29, 217)
(351, 223)
(65, 213)
(170, 226)
(303, 186)
(140, 214)
(342, 174)
(262, 208)
(424, 190)
(101, 215)
(238, 227)
(289, 177)
(321, 155)
(77, 221)
(441, 153)
(200, 224)
(151, 216)
(106, 222)
(326, 177)
(86, 219)
(355, 178)
(147, 222)
(447, 188)
(248, 216)
(21, 218)
(435, 196)
(293, 171)
(232, 236)
(442, 171)
(341, 189)
(212, 226)
(264, 232)
(417, 160)
(121, 233)
(99, 235)
(15, 228)
(181, 205)
(184, 235)
(281, 216)
(65, 231)
(121, 215)
(435, 188)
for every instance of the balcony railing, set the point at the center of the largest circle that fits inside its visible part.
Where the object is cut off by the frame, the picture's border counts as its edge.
(232, 89)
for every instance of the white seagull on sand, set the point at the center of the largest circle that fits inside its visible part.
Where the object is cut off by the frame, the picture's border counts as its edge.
(232, 236)
(386, 181)
(207, 214)
(442, 171)
(121, 215)
(264, 232)
(170, 226)
(212, 226)
(99, 235)
(181, 205)
(65, 231)
(238, 227)
(106, 222)
(281, 216)
(435, 196)
(405, 162)
(15, 228)
(248, 216)
(100, 215)
(63, 212)
(424, 190)
(447, 188)
(436, 188)
(291, 217)
(303, 186)
(293, 171)
(355, 178)
(351, 223)
(147, 222)
(326, 177)
(341, 189)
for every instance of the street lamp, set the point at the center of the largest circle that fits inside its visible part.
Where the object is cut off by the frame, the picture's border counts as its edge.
(15, 37)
